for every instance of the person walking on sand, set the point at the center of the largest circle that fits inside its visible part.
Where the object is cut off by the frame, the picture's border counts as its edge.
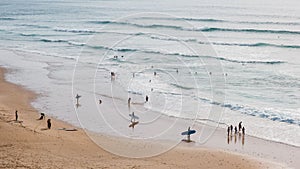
(243, 130)
(49, 123)
(231, 128)
(240, 126)
(16, 114)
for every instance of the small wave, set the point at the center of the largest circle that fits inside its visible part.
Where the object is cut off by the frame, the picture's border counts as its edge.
(226, 44)
(62, 41)
(181, 87)
(34, 26)
(210, 29)
(271, 115)
(57, 41)
(7, 19)
(267, 114)
(249, 30)
(222, 20)
(75, 31)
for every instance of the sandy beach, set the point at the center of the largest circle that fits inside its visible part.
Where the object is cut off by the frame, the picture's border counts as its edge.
(25, 144)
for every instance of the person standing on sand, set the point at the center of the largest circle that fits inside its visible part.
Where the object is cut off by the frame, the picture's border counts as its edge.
(228, 130)
(235, 130)
(231, 128)
(49, 123)
(243, 130)
(240, 126)
(16, 114)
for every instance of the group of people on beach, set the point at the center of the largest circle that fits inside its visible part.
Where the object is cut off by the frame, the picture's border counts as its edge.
(240, 131)
(236, 131)
(42, 117)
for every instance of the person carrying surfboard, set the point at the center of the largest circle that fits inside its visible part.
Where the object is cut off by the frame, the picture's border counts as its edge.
(132, 120)
(189, 132)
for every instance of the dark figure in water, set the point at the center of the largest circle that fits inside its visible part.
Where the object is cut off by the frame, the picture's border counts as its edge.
(154, 73)
(240, 126)
(147, 98)
(100, 101)
(243, 130)
(228, 130)
(231, 128)
(16, 114)
(112, 75)
(49, 123)
(42, 116)
(235, 130)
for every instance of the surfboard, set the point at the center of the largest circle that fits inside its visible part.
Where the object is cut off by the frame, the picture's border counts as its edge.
(133, 124)
(188, 132)
(134, 116)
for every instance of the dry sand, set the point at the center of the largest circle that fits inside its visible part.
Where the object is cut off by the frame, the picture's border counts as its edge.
(26, 145)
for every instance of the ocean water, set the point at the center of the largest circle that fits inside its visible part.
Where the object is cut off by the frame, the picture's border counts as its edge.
(218, 61)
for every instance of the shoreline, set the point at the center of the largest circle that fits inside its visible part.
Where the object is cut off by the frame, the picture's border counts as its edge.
(166, 116)
(65, 148)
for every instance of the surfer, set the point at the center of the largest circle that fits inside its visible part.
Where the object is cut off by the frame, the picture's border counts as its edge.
(42, 116)
(147, 98)
(189, 136)
(240, 126)
(132, 120)
(77, 99)
(129, 101)
(100, 101)
(132, 117)
(16, 114)
(49, 123)
(112, 75)
(154, 73)
(243, 131)
(176, 70)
